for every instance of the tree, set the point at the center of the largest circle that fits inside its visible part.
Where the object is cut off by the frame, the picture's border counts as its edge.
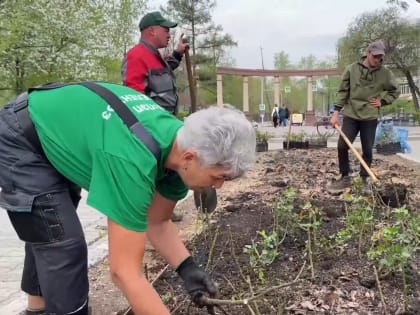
(282, 61)
(308, 62)
(207, 41)
(59, 40)
(400, 36)
(402, 4)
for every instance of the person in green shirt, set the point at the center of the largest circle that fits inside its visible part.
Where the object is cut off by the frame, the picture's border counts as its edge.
(365, 87)
(81, 142)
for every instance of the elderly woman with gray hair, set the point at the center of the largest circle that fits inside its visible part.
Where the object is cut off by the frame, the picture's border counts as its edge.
(136, 161)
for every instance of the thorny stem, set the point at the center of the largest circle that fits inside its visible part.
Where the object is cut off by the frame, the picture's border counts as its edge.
(404, 279)
(257, 311)
(300, 271)
(309, 247)
(221, 308)
(345, 209)
(251, 310)
(359, 246)
(210, 301)
(235, 258)
(179, 305)
(380, 291)
(246, 279)
(213, 244)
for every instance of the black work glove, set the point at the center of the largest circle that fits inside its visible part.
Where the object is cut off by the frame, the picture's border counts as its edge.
(197, 282)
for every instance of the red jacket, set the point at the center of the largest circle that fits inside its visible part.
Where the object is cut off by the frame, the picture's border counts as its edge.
(144, 70)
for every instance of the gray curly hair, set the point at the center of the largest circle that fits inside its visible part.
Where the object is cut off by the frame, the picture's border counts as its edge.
(221, 137)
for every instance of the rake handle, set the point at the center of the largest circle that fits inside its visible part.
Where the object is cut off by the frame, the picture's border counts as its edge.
(357, 154)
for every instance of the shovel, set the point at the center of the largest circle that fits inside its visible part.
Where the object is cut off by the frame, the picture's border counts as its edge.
(357, 154)
(205, 200)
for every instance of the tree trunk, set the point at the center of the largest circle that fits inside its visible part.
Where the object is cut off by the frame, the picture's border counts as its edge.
(19, 74)
(414, 89)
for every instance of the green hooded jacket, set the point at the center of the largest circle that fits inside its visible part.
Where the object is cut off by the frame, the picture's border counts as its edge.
(359, 84)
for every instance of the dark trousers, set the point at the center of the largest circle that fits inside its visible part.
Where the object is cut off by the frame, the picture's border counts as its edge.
(275, 121)
(351, 127)
(41, 205)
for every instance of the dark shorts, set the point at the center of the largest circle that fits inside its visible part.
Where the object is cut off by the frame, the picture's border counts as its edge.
(41, 204)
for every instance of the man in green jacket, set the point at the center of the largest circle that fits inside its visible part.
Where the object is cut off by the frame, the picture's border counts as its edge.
(55, 141)
(365, 87)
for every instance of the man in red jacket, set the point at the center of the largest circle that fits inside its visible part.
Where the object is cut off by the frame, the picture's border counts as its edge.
(143, 67)
(145, 70)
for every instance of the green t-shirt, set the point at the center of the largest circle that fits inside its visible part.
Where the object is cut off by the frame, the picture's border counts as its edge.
(87, 142)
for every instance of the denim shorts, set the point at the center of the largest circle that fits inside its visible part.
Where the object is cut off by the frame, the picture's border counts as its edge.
(41, 204)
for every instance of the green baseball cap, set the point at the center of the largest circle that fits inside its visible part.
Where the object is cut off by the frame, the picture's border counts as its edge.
(155, 18)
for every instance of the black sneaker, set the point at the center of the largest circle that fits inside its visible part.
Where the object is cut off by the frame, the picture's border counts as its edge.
(340, 185)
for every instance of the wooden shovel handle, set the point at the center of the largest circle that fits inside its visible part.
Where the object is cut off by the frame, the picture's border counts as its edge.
(191, 81)
(357, 154)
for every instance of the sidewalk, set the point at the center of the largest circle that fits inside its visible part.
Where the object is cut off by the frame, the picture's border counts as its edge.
(278, 135)
(281, 132)
(12, 300)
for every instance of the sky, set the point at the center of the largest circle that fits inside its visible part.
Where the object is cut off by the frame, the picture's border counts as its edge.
(298, 27)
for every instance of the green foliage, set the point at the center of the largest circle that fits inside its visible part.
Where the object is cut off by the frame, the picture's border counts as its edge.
(182, 114)
(387, 136)
(208, 43)
(317, 138)
(311, 222)
(406, 105)
(286, 220)
(263, 252)
(232, 91)
(395, 244)
(57, 40)
(296, 99)
(262, 136)
(359, 222)
(282, 61)
(296, 136)
(310, 219)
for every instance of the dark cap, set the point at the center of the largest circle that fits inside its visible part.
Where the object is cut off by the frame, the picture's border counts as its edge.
(155, 18)
(376, 48)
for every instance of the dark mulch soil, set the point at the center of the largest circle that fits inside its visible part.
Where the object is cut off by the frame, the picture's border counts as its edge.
(343, 282)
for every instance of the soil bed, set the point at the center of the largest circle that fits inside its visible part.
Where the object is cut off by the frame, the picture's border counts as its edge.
(342, 280)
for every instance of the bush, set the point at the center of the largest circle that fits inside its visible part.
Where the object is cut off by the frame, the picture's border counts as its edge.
(406, 105)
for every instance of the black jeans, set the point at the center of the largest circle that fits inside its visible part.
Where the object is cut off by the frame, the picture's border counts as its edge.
(41, 205)
(351, 127)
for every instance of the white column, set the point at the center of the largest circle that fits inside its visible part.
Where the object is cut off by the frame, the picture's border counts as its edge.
(310, 106)
(245, 100)
(219, 90)
(277, 91)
